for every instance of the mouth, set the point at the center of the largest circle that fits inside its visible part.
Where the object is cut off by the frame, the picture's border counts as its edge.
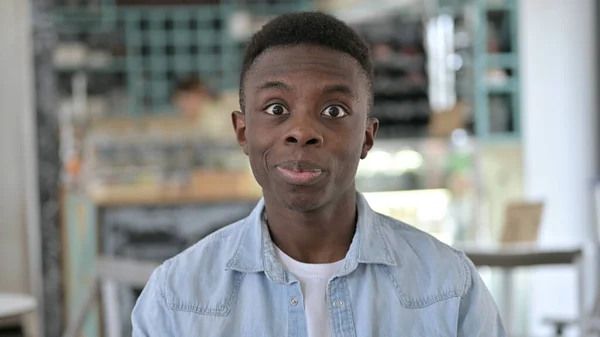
(300, 173)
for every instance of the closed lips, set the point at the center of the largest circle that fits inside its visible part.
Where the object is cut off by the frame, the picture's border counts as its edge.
(298, 174)
(298, 166)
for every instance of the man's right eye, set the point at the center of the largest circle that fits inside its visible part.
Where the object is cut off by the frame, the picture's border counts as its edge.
(276, 109)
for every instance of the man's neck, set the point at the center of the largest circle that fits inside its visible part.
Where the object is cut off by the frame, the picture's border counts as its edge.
(323, 235)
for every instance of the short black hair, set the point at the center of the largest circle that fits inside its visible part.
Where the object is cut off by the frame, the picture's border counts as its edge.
(313, 28)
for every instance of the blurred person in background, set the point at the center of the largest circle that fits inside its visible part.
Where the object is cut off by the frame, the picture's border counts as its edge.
(313, 259)
(189, 97)
(202, 109)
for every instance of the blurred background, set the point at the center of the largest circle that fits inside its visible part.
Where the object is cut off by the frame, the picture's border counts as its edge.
(116, 145)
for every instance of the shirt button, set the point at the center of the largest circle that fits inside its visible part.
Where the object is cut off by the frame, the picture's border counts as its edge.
(338, 303)
(294, 301)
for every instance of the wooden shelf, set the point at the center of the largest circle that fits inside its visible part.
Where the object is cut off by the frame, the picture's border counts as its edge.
(213, 187)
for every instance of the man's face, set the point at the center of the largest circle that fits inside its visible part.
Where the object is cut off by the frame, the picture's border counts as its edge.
(305, 124)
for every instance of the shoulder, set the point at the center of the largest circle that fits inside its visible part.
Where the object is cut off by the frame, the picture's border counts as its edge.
(209, 254)
(192, 278)
(437, 271)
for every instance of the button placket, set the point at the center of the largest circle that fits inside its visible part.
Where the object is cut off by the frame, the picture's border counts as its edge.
(342, 320)
(295, 308)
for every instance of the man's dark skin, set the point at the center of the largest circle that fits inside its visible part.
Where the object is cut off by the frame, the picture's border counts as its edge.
(304, 158)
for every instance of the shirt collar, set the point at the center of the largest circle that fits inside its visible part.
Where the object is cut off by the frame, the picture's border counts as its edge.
(255, 252)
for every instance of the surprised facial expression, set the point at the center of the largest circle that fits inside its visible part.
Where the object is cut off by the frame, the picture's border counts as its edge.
(305, 125)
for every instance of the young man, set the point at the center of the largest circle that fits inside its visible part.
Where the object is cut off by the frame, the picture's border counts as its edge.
(313, 259)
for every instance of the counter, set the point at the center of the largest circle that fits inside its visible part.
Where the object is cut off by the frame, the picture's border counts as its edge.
(144, 223)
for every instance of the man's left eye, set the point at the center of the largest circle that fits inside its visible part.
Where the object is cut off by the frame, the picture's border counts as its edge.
(334, 111)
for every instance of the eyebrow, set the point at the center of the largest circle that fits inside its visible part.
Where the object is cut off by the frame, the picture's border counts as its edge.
(332, 89)
(338, 88)
(274, 85)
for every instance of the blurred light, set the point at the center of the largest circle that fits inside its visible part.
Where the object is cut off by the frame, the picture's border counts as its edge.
(459, 137)
(431, 204)
(454, 61)
(408, 160)
(382, 162)
(240, 25)
(379, 159)
(427, 210)
(441, 62)
(375, 162)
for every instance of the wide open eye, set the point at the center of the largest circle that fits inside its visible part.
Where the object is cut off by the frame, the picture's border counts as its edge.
(276, 109)
(334, 111)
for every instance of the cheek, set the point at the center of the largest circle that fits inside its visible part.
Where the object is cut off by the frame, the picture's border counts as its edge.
(348, 157)
(351, 146)
(257, 150)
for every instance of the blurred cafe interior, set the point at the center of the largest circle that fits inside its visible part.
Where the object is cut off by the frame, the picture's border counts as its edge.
(116, 144)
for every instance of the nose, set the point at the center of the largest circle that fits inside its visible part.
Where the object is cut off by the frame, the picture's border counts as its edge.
(303, 132)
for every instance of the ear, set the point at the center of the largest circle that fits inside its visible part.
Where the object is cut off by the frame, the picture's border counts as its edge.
(238, 119)
(370, 134)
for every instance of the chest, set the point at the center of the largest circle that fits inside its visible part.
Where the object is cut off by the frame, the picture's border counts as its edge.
(369, 307)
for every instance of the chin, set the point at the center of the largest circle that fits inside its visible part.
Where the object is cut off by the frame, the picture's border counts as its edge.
(301, 203)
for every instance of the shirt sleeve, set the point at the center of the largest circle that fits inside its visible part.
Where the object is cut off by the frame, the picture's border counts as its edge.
(478, 315)
(151, 317)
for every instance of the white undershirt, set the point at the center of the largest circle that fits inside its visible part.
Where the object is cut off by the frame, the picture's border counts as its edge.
(313, 282)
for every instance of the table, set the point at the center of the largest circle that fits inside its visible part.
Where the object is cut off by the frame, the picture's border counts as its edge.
(510, 257)
(17, 306)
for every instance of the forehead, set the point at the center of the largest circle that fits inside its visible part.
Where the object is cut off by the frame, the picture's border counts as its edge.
(316, 64)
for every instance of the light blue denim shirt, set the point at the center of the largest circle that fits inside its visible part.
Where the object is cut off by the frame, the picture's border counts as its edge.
(395, 281)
